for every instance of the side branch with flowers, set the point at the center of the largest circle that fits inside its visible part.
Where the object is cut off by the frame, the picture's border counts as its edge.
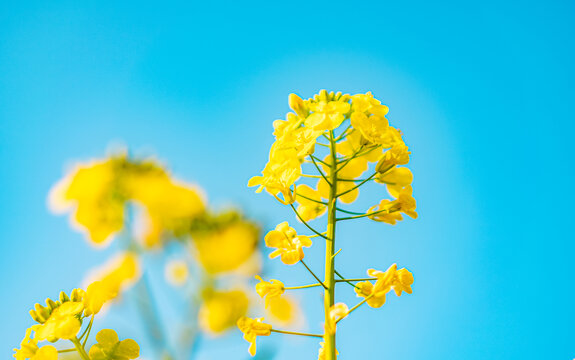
(352, 132)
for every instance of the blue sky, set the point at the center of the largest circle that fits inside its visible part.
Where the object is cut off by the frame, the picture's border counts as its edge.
(482, 91)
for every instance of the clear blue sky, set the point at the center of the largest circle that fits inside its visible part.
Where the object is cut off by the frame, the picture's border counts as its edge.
(482, 90)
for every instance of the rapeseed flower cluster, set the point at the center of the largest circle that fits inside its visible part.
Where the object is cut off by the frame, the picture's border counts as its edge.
(63, 319)
(328, 147)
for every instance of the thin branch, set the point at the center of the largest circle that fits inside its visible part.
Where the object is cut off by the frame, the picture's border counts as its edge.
(301, 286)
(343, 278)
(306, 224)
(314, 275)
(350, 212)
(310, 199)
(368, 214)
(360, 279)
(343, 134)
(358, 185)
(355, 307)
(295, 333)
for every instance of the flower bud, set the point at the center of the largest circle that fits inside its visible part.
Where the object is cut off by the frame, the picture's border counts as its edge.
(297, 104)
(63, 297)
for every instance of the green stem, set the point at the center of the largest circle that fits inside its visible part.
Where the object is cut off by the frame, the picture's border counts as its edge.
(314, 275)
(350, 212)
(80, 348)
(87, 331)
(344, 133)
(66, 350)
(329, 280)
(295, 333)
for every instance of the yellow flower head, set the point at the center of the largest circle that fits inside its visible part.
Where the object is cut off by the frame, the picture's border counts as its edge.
(221, 310)
(397, 155)
(289, 245)
(253, 328)
(406, 202)
(93, 192)
(176, 272)
(309, 200)
(298, 105)
(398, 280)
(366, 103)
(269, 289)
(327, 111)
(336, 313)
(283, 310)
(63, 323)
(279, 174)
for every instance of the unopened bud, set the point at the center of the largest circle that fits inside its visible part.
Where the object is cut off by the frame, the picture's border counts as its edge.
(297, 104)
(63, 297)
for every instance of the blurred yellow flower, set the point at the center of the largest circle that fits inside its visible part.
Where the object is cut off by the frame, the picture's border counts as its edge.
(92, 190)
(282, 310)
(118, 274)
(176, 272)
(227, 248)
(253, 328)
(269, 289)
(289, 245)
(221, 310)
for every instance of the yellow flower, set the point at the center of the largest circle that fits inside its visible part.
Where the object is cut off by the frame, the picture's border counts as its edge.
(395, 179)
(374, 128)
(399, 280)
(176, 272)
(226, 249)
(385, 212)
(397, 155)
(109, 347)
(336, 312)
(29, 348)
(298, 105)
(221, 310)
(269, 289)
(326, 115)
(366, 103)
(406, 202)
(288, 243)
(97, 294)
(253, 328)
(282, 310)
(355, 144)
(279, 174)
(309, 209)
(63, 322)
(92, 190)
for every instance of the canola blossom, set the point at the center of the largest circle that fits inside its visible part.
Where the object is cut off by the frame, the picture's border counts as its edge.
(63, 319)
(324, 152)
